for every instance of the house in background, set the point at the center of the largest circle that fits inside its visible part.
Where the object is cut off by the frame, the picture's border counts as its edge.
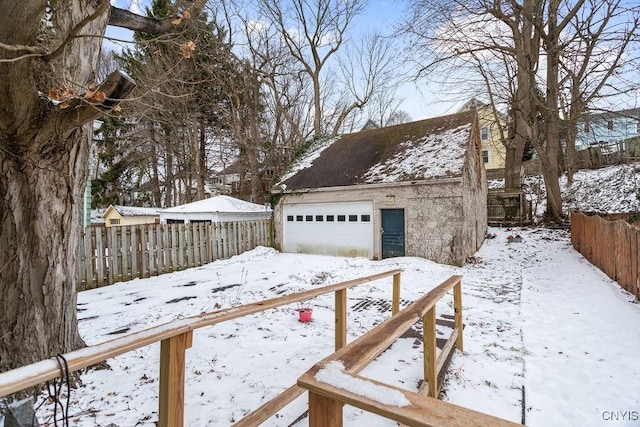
(608, 128)
(215, 209)
(129, 215)
(493, 150)
(415, 189)
(227, 181)
(233, 181)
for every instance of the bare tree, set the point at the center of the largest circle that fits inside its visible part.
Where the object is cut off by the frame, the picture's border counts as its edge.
(534, 28)
(593, 60)
(48, 97)
(313, 32)
(366, 68)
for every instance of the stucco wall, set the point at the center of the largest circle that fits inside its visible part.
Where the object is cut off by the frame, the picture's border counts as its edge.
(437, 224)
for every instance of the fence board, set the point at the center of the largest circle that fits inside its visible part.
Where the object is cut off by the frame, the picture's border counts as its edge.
(612, 246)
(138, 251)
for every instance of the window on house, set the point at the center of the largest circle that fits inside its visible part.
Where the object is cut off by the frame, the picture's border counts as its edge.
(330, 218)
(289, 217)
(353, 218)
(365, 218)
(309, 218)
(341, 218)
(114, 221)
(298, 217)
(319, 218)
(484, 133)
(485, 156)
(610, 124)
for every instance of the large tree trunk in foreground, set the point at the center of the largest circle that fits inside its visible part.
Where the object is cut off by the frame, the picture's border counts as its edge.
(44, 152)
(47, 104)
(40, 233)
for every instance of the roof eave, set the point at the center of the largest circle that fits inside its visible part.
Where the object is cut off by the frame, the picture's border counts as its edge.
(433, 181)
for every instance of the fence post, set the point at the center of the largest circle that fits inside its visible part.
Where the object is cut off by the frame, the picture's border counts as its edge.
(341, 318)
(100, 257)
(135, 267)
(457, 309)
(324, 412)
(429, 348)
(210, 258)
(395, 302)
(172, 364)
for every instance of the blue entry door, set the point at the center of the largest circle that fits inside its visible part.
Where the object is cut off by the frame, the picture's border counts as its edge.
(392, 232)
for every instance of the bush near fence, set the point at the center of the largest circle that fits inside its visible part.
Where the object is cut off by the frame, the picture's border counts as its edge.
(118, 254)
(612, 246)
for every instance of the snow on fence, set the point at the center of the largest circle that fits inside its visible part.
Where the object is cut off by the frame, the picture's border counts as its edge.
(118, 254)
(612, 246)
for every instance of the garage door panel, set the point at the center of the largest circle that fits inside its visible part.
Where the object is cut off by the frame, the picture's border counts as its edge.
(351, 237)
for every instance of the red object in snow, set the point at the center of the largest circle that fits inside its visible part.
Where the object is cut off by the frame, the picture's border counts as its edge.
(304, 314)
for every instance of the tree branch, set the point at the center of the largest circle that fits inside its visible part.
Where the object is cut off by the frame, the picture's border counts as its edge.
(125, 19)
(81, 111)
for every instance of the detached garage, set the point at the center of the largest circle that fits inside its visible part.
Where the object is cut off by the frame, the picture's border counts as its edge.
(416, 189)
(214, 209)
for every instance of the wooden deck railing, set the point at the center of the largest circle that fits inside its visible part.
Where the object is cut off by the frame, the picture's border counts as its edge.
(176, 338)
(326, 399)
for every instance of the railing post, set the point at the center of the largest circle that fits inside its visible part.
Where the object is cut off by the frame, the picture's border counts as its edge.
(457, 307)
(172, 364)
(341, 318)
(395, 301)
(429, 349)
(324, 412)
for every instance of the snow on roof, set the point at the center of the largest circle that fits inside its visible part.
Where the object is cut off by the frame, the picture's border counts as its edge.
(135, 211)
(307, 160)
(217, 204)
(421, 150)
(428, 157)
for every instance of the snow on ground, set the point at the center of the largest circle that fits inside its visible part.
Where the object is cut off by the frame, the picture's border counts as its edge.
(614, 189)
(540, 323)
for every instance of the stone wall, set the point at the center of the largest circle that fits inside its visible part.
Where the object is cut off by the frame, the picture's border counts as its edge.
(437, 224)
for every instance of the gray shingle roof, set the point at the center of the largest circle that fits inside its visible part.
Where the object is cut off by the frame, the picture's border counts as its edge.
(418, 150)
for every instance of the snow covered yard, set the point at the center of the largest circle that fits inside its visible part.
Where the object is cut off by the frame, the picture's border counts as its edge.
(538, 318)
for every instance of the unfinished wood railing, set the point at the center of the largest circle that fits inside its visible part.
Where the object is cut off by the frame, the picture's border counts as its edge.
(176, 338)
(326, 399)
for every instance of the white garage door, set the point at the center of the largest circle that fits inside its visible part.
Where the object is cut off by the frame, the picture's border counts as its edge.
(343, 229)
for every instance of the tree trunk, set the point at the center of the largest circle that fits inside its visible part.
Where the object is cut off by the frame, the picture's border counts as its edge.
(41, 197)
(549, 155)
(155, 175)
(44, 151)
(201, 160)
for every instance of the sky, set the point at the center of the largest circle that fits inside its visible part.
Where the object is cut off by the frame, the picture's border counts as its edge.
(418, 99)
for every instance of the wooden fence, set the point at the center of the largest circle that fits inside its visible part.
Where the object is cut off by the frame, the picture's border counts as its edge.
(612, 246)
(118, 254)
(507, 206)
